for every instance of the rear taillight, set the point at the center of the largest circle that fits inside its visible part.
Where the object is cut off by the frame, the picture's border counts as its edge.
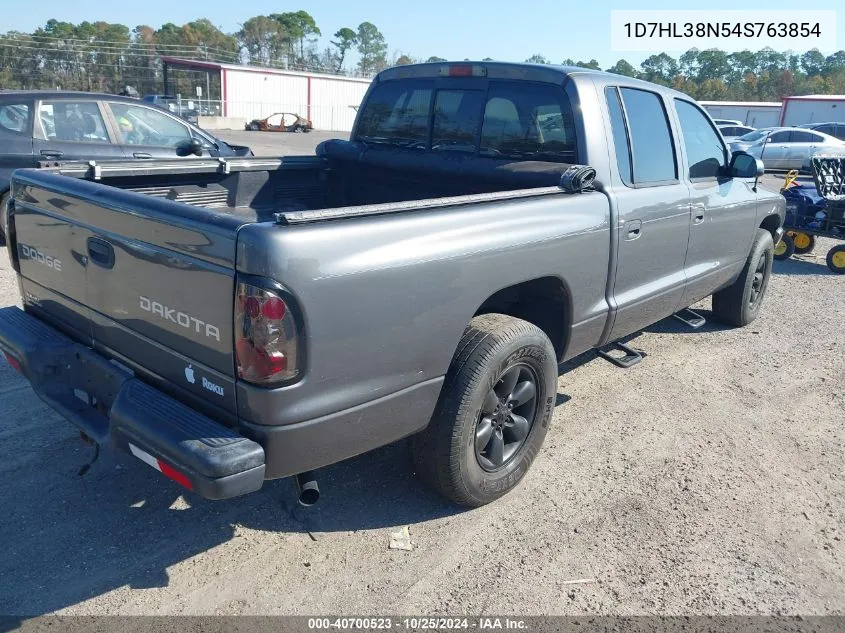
(14, 362)
(265, 336)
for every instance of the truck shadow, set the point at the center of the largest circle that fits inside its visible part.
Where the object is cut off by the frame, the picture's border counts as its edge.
(68, 539)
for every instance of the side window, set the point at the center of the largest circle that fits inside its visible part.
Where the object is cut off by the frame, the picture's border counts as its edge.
(804, 137)
(16, 118)
(397, 111)
(457, 119)
(144, 126)
(620, 134)
(704, 147)
(652, 150)
(839, 132)
(74, 121)
(826, 129)
(781, 137)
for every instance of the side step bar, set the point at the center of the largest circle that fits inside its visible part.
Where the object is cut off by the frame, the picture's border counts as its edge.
(630, 358)
(692, 319)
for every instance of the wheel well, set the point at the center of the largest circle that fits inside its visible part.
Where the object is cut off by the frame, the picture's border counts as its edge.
(545, 302)
(771, 224)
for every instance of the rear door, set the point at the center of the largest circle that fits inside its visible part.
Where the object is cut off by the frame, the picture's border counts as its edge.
(73, 129)
(802, 145)
(16, 118)
(653, 208)
(149, 132)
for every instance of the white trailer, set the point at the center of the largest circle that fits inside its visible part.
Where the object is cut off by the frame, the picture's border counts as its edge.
(813, 109)
(753, 113)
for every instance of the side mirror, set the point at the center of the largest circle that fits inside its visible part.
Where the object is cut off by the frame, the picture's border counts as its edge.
(744, 165)
(189, 146)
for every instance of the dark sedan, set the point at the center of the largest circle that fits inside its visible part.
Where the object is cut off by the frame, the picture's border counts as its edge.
(40, 126)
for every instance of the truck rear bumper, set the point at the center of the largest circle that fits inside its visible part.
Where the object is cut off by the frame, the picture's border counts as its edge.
(113, 408)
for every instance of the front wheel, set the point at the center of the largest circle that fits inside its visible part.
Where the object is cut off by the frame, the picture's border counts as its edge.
(493, 412)
(253, 127)
(739, 304)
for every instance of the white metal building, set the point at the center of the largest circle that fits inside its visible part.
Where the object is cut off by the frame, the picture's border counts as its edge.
(754, 113)
(813, 109)
(250, 92)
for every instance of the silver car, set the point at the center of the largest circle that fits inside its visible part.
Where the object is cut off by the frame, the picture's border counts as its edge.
(786, 147)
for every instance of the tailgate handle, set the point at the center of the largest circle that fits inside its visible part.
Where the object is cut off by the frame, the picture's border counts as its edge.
(101, 252)
(51, 153)
(142, 155)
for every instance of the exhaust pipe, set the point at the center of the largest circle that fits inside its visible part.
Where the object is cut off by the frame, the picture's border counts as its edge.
(307, 490)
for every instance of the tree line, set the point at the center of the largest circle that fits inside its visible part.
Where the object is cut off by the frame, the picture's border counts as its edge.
(108, 57)
(714, 75)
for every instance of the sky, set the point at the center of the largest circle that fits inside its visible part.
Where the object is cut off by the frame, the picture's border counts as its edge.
(506, 30)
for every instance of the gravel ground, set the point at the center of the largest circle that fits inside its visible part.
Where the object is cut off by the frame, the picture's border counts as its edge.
(706, 480)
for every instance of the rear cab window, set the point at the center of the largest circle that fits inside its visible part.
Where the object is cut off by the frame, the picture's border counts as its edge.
(502, 119)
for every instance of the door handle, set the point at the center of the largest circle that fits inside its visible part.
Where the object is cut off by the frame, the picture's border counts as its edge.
(634, 229)
(698, 214)
(51, 153)
(142, 155)
(100, 252)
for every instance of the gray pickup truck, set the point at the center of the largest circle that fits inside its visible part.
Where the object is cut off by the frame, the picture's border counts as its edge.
(236, 320)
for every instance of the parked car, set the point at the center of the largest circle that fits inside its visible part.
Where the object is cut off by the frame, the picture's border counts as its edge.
(732, 132)
(52, 125)
(836, 129)
(727, 122)
(786, 147)
(281, 122)
(423, 279)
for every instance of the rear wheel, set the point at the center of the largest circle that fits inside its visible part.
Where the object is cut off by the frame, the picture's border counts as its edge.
(739, 303)
(299, 129)
(253, 127)
(4, 220)
(836, 259)
(493, 412)
(804, 243)
(785, 248)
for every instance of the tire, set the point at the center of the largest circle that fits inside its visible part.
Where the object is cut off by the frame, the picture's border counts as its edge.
(739, 304)
(836, 259)
(299, 129)
(452, 455)
(253, 127)
(3, 219)
(785, 248)
(804, 242)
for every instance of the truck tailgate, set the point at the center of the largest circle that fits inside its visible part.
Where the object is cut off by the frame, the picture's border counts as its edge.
(146, 281)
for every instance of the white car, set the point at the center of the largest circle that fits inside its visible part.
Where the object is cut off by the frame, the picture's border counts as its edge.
(733, 132)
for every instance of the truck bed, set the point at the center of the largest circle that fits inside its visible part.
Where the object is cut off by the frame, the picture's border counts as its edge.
(343, 175)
